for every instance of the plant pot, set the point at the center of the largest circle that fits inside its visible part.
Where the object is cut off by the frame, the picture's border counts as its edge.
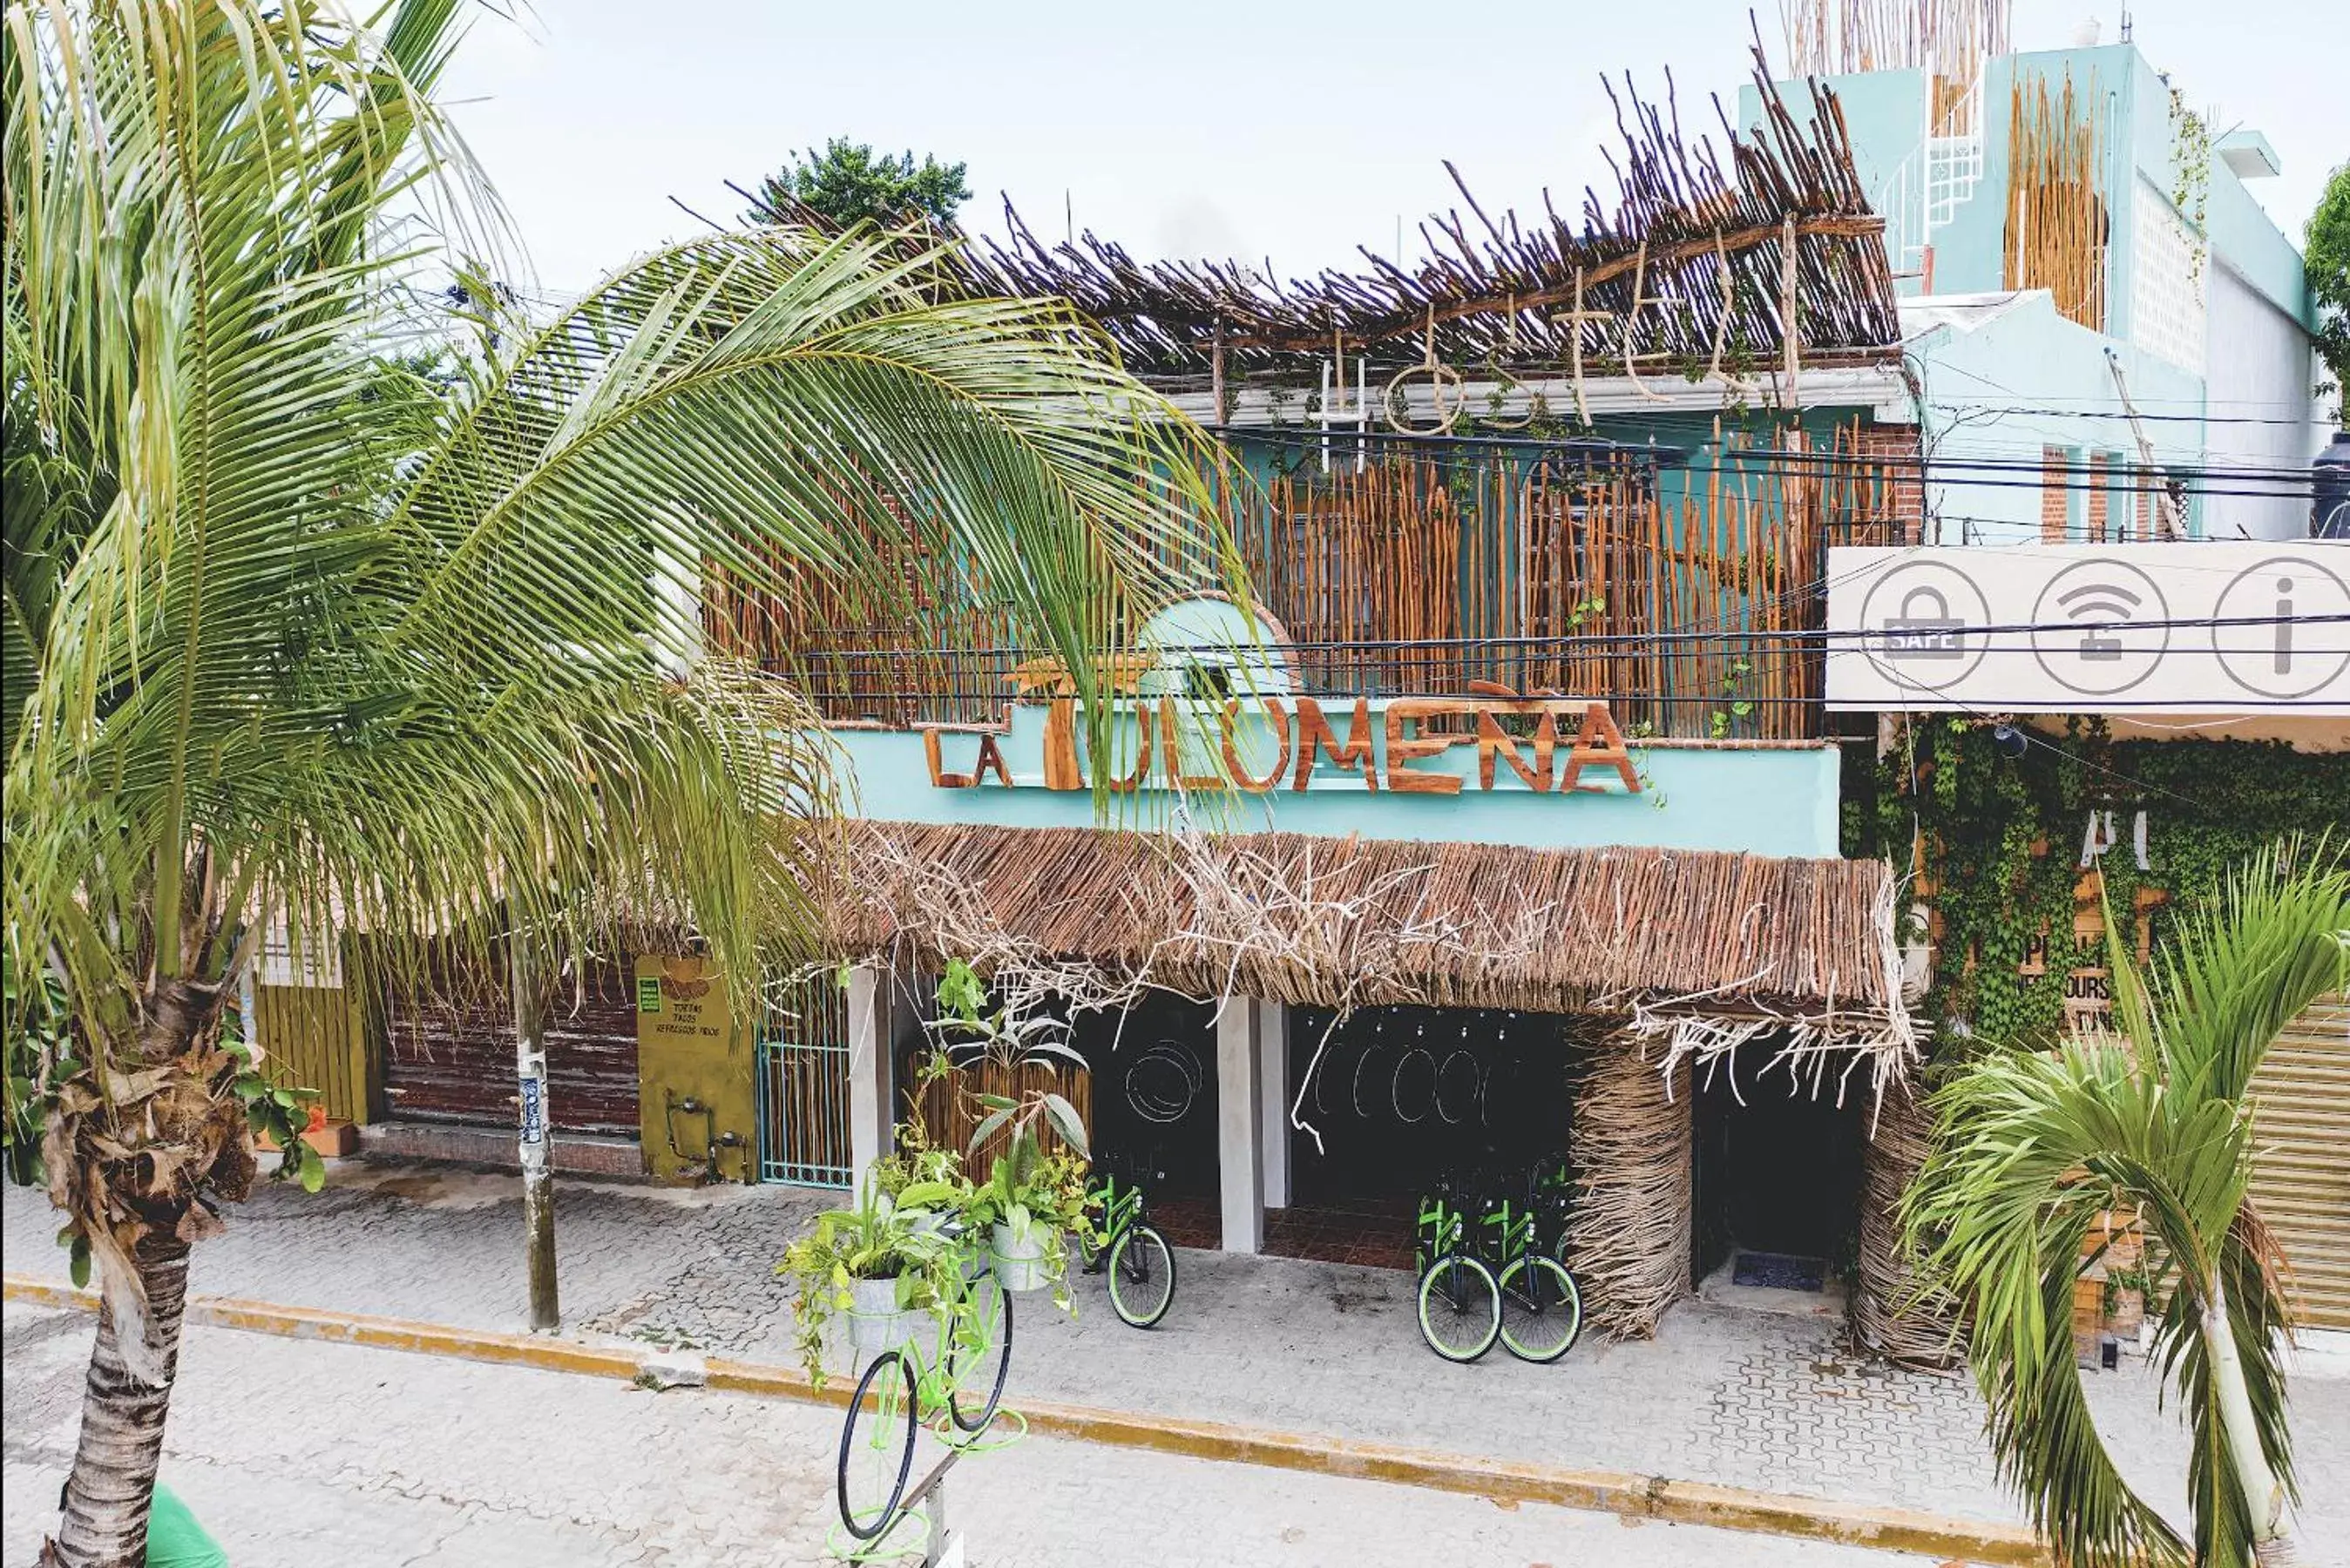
(1020, 1263)
(876, 1321)
(2128, 1310)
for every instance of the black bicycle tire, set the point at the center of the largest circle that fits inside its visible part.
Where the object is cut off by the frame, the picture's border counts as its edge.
(1000, 1350)
(1493, 1293)
(888, 1513)
(1575, 1294)
(1132, 1235)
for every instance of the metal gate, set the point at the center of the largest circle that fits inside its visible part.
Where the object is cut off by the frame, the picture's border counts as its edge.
(803, 1083)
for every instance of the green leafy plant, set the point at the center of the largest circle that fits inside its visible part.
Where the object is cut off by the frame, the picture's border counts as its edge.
(2002, 836)
(2326, 261)
(1725, 719)
(1039, 1199)
(914, 1161)
(903, 1237)
(2032, 1145)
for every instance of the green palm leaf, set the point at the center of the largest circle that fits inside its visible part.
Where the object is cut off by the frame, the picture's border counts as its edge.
(293, 633)
(2033, 1144)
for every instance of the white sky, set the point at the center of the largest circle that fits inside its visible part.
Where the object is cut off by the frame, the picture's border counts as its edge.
(1282, 128)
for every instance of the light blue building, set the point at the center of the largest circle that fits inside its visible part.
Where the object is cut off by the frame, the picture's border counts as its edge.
(2157, 319)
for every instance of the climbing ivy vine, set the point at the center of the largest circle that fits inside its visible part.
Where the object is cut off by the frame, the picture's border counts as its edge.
(2004, 836)
(2190, 192)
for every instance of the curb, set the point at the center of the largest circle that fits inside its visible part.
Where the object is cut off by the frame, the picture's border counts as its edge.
(1501, 1481)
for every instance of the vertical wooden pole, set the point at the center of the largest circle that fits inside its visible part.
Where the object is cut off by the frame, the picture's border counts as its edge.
(537, 1177)
(1223, 408)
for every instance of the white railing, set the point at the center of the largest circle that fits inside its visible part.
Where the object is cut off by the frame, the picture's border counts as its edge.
(1927, 188)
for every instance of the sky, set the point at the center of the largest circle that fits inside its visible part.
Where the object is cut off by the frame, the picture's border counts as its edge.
(1281, 129)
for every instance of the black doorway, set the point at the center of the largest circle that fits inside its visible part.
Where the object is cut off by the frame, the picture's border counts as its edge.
(1154, 1085)
(1777, 1165)
(1402, 1095)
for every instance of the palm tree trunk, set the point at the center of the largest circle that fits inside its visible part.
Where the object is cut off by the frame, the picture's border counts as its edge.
(113, 1478)
(2263, 1494)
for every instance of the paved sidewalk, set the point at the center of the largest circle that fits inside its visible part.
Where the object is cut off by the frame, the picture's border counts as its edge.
(409, 1462)
(1722, 1396)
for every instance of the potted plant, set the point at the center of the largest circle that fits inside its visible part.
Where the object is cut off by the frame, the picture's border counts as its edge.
(881, 1265)
(1029, 1206)
(1032, 1202)
(2125, 1301)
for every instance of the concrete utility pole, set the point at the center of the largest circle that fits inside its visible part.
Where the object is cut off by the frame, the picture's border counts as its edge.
(537, 1177)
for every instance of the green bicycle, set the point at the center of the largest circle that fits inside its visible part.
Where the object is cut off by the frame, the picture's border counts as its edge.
(954, 1388)
(1542, 1308)
(1459, 1304)
(1136, 1257)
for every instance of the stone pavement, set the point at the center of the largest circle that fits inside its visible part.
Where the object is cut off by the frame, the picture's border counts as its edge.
(1722, 1396)
(296, 1454)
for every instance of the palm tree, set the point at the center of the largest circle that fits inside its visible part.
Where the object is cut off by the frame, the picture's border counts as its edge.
(2150, 1117)
(295, 637)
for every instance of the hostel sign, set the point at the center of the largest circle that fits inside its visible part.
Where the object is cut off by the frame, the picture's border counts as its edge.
(2236, 627)
(1261, 744)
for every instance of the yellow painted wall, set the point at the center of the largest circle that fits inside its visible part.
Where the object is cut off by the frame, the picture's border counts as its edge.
(690, 1047)
(315, 1037)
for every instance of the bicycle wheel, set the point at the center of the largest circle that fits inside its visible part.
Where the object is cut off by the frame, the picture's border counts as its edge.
(877, 1447)
(1541, 1309)
(1141, 1275)
(978, 1354)
(1460, 1308)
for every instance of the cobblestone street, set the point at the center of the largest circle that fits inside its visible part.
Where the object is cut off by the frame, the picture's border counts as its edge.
(397, 1461)
(1722, 1396)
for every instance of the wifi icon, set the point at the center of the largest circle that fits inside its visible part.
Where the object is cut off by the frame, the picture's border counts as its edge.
(2099, 626)
(2103, 607)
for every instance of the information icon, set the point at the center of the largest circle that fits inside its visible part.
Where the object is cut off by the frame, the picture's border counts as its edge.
(2279, 628)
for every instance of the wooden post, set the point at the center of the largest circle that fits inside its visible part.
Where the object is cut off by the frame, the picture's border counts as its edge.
(537, 1177)
(1223, 406)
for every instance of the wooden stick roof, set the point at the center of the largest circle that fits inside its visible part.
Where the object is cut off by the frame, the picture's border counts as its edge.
(1339, 921)
(1700, 248)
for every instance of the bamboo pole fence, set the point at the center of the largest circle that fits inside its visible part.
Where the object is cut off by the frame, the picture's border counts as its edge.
(2058, 224)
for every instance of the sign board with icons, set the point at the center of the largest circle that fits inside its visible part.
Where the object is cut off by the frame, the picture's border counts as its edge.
(2240, 627)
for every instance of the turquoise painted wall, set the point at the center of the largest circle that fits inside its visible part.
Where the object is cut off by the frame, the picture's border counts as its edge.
(1885, 111)
(2029, 357)
(1779, 802)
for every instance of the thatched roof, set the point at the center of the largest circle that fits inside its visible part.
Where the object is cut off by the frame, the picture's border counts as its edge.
(1338, 922)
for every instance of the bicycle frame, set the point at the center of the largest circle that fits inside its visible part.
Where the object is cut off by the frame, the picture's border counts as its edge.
(1121, 1208)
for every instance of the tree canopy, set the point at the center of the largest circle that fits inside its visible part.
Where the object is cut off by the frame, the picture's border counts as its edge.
(848, 182)
(2327, 261)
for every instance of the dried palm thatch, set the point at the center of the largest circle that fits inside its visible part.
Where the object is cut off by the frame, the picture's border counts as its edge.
(1768, 254)
(1634, 1198)
(1339, 922)
(1896, 1312)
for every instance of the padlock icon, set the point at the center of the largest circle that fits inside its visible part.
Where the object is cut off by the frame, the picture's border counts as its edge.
(1915, 633)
